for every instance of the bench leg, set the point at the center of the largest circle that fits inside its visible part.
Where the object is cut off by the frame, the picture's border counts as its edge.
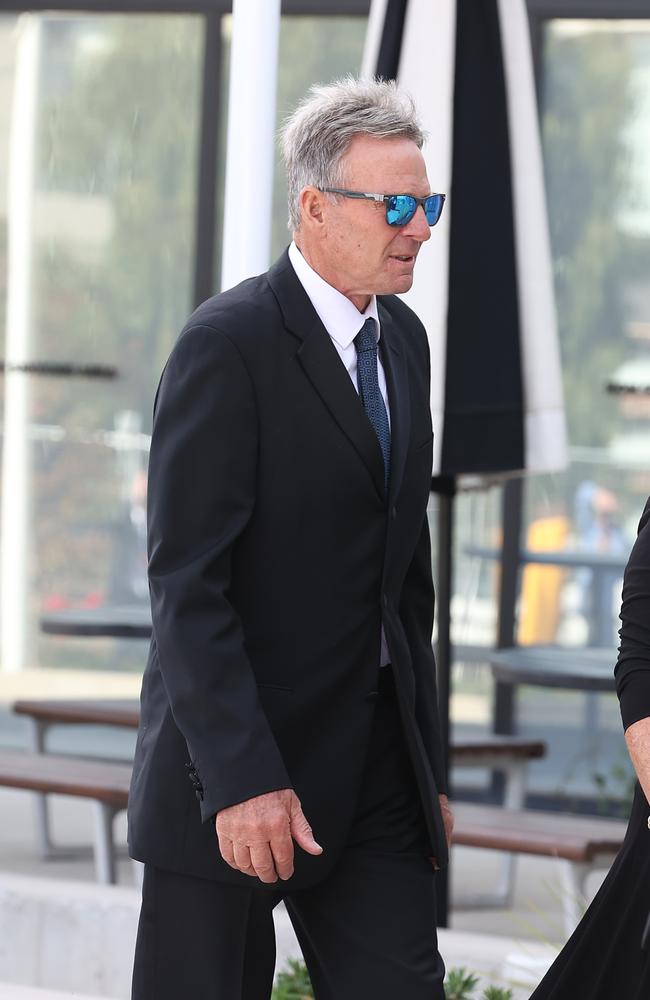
(37, 731)
(104, 847)
(574, 896)
(138, 872)
(514, 795)
(514, 798)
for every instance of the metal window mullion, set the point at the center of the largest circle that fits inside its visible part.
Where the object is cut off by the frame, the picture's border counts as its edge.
(204, 246)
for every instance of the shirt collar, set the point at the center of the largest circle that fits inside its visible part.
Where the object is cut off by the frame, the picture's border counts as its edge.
(339, 316)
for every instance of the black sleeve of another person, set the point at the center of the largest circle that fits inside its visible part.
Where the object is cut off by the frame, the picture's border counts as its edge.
(633, 665)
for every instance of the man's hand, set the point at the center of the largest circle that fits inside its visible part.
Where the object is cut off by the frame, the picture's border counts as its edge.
(448, 820)
(447, 817)
(255, 836)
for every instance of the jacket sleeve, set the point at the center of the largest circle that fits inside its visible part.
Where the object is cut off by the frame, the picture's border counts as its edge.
(202, 473)
(632, 671)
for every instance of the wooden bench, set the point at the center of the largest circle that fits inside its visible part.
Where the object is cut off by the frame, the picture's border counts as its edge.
(42, 714)
(105, 783)
(510, 755)
(581, 844)
(100, 711)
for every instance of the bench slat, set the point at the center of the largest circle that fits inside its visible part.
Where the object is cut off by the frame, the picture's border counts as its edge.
(126, 712)
(111, 712)
(527, 831)
(506, 746)
(103, 781)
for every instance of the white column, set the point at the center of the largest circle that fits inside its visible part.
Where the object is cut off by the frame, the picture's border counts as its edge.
(251, 136)
(426, 70)
(374, 32)
(545, 427)
(14, 548)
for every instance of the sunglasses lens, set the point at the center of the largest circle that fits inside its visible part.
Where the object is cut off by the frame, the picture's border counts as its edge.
(400, 209)
(433, 208)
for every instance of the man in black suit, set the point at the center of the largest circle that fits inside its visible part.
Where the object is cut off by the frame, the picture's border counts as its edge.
(289, 740)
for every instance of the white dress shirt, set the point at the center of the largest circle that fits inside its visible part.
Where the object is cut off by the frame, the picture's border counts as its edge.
(343, 321)
(340, 317)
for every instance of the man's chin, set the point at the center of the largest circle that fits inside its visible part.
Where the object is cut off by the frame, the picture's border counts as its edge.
(399, 284)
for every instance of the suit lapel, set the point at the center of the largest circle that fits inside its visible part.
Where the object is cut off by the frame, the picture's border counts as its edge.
(394, 362)
(322, 365)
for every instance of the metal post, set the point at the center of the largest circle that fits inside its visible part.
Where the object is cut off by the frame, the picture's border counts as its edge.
(37, 730)
(443, 600)
(14, 561)
(445, 486)
(511, 527)
(251, 127)
(208, 154)
(105, 870)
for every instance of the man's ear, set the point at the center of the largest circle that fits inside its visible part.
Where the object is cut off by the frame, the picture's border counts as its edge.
(312, 205)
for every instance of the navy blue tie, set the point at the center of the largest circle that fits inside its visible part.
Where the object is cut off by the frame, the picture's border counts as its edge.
(369, 391)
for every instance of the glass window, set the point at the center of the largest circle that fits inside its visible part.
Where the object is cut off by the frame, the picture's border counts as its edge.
(311, 50)
(595, 121)
(99, 120)
(595, 124)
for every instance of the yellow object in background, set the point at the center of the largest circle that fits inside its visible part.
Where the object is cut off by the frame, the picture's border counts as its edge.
(542, 585)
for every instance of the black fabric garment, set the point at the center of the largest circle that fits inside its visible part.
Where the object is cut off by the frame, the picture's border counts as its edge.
(367, 930)
(275, 557)
(483, 427)
(633, 666)
(603, 959)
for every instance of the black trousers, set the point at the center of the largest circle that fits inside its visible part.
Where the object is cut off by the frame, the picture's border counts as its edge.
(367, 930)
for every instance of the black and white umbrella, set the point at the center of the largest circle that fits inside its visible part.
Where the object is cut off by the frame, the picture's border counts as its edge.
(483, 285)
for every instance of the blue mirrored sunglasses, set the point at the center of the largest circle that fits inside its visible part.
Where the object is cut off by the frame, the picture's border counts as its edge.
(400, 208)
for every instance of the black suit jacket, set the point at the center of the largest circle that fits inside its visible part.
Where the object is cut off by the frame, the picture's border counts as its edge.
(274, 557)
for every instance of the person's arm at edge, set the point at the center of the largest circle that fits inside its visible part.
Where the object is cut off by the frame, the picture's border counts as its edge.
(632, 671)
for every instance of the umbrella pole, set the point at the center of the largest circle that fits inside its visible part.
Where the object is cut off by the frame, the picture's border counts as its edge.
(445, 487)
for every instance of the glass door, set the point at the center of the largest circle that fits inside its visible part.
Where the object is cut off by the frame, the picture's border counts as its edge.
(99, 135)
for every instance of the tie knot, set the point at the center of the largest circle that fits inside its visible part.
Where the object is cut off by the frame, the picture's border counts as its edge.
(366, 339)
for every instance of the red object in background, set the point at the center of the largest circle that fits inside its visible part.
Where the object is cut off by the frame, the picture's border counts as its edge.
(94, 599)
(55, 602)
(58, 602)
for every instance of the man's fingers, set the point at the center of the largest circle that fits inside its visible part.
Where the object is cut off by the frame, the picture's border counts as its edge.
(243, 859)
(255, 836)
(262, 861)
(282, 849)
(227, 851)
(301, 830)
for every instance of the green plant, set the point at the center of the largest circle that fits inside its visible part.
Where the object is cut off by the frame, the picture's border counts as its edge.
(294, 983)
(460, 984)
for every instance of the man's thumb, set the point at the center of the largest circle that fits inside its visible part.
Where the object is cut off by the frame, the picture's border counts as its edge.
(301, 831)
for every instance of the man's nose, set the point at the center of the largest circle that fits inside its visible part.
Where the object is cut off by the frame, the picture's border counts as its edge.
(418, 228)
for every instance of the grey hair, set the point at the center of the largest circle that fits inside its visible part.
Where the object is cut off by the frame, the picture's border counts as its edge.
(317, 135)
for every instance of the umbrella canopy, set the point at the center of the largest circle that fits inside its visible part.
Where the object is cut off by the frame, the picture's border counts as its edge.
(483, 285)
